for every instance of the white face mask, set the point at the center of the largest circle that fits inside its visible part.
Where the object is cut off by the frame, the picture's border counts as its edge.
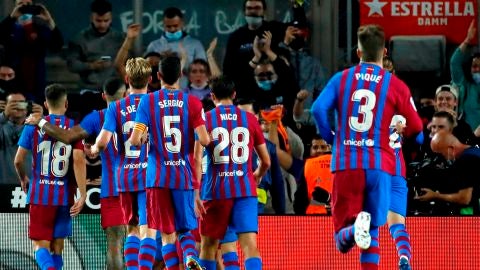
(199, 87)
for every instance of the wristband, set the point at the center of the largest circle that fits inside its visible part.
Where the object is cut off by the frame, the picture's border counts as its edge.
(42, 123)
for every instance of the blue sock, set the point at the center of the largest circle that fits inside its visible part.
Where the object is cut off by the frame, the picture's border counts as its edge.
(187, 243)
(170, 257)
(131, 247)
(344, 239)
(44, 259)
(230, 261)
(58, 261)
(370, 258)
(158, 253)
(253, 263)
(146, 257)
(208, 265)
(402, 240)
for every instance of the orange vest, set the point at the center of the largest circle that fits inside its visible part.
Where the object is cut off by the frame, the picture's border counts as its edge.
(318, 174)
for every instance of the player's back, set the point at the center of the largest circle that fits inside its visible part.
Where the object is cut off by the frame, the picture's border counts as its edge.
(132, 160)
(367, 97)
(51, 160)
(171, 117)
(234, 134)
(92, 124)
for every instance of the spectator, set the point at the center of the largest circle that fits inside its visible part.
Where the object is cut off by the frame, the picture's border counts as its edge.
(467, 81)
(239, 50)
(464, 191)
(173, 36)
(92, 51)
(27, 34)
(7, 83)
(11, 127)
(315, 183)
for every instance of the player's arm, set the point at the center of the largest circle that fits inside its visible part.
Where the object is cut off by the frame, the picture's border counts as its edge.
(138, 136)
(197, 158)
(203, 136)
(264, 158)
(109, 126)
(20, 167)
(66, 136)
(101, 142)
(324, 103)
(80, 171)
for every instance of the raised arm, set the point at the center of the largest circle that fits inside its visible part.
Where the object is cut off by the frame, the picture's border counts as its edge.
(133, 31)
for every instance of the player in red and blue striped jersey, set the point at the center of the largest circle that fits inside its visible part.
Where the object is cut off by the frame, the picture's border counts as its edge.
(365, 98)
(110, 209)
(50, 192)
(172, 118)
(131, 164)
(230, 185)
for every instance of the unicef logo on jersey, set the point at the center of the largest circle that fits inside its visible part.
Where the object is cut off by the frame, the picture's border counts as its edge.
(180, 162)
(231, 174)
(360, 143)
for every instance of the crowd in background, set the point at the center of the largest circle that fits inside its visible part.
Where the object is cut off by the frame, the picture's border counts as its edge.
(274, 75)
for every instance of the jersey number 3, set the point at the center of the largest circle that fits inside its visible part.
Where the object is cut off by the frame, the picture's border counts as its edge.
(366, 121)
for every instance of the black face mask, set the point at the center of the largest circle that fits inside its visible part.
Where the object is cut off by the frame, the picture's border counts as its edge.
(297, 44)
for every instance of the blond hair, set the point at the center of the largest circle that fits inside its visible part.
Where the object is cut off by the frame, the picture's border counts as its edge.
(138, 72)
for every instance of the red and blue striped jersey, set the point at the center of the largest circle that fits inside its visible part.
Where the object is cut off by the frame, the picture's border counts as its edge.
(132, 160)
(92, 124)
(235, 134)
(365, 98)
(51, 158)
(171, 117)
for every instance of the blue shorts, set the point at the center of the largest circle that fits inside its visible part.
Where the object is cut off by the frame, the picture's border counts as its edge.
(230, 236)
(398, 196)
(184, 203)
(360, 190)
(49, 222)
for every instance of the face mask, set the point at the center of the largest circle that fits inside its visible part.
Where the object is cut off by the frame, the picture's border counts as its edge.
(174, 36)
(476, 77)
(254, 21)
(265, 85)
(199, 87)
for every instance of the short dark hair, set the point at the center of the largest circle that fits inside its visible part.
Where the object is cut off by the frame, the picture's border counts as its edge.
(200, 61)
(101, 7)
(54, 94)
(222, 87)
(264, 4)
(444, 114)
(172, 12)
(170, 69)
(317, 137)
(371, 38)
(112, 85)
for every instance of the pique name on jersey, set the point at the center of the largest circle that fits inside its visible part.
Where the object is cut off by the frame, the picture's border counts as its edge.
(170, 103)
(130, 109)
(368, 77)
(228, 116)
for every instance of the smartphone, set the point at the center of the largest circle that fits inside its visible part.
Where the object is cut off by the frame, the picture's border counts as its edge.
(106, 58)
(22, 105)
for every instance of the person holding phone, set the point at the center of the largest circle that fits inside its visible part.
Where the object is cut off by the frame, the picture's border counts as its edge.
(11, 126)
(91, 52)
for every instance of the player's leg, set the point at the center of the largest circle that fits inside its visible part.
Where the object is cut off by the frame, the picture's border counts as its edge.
(228, 247)
(161, 217)
(132, 241)
(42, 255)
(396, 221)
(148, 244)
(244, 221)
(56, 246)
(185, 221)
(40, 231)
(377, 203)
(114, 227)
(62, 229)
(213, 227)
(159, 263)
(347, 203)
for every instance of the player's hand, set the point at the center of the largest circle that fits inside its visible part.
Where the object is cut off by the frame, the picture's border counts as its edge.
(24, 184)
(78, 206)
(199, 208)
(33, 119)
(428, 195)
(94, 150)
